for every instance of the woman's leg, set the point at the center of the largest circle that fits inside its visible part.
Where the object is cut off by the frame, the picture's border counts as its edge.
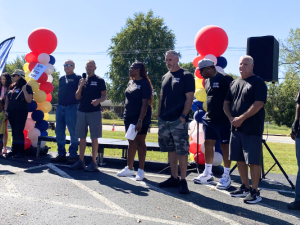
(20, 121)
(142, 150)
(5, 136)
(131, 153)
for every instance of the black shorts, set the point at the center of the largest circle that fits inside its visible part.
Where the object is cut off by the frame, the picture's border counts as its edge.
(220, 132)
(245, 148)
(134, 120)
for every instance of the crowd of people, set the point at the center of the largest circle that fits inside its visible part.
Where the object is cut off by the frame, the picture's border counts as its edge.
(235, 117)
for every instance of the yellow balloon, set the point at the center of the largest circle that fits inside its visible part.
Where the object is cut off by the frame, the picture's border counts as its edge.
(44, 106)
(200, 95)
(25, 67)
(191, 157)
(198, 83)
(39, 96)
(27, 73)
(27, 78)
(204, 106)
(34, 85)
(46, 116)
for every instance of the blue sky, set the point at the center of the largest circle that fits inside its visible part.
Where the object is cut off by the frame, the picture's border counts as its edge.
(84, 27)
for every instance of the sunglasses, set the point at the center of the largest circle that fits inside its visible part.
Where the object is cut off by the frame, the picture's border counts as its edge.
(14, 75)
(68, 65)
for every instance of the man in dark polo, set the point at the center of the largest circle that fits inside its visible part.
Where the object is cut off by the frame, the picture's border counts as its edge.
(244, 107)
(66, 114)
(91, 92)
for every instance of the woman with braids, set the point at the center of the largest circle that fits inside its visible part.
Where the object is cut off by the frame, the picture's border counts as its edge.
(16, 110)
(138, 112)
(4, 88)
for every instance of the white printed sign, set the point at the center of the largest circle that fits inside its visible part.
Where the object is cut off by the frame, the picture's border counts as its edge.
(37, 71)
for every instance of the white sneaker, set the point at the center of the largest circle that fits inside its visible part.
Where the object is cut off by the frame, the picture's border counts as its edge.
(126, 172)
(140, 175)
(224, 182)
(204, 178)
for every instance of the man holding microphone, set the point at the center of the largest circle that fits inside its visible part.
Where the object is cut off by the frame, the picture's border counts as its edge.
(91, 92)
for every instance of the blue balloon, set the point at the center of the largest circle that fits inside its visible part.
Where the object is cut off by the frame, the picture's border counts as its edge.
(52, 60)
(42, 125)
(37, 115)
(222, 62)
(195, 104)
(32, 106)
(44, 134)
(199, 117)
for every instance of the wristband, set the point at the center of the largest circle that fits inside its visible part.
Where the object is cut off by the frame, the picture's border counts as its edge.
(183, 116)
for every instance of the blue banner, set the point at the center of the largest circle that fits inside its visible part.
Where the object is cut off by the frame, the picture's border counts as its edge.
(5, 47)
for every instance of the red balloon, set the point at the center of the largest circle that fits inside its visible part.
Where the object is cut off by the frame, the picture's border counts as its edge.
(201, 158)
(193, 147)
(197, 59)
(49, 97)
(42, 40)
(197, 73)
(203, 83)
(27, 143)
(211, 40)
(43, 78)
(25, 132)
(31, 56)
(47, 87)
(32, 65)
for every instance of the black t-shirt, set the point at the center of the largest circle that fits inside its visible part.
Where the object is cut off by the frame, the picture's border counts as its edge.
(216, 89)
(136, 91)
(174, 86)
(68, 86)
(19, 103)
(298, 102)
(94, 86)
(242, 94)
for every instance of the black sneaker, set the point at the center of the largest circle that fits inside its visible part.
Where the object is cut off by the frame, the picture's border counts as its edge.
(10, 154)
(91, 167)
(18, 155)
(171, 182)
(59, 159)
(183, 187)
(253, 197)
(72, 160)
(241, 192)
(78, 165)
(294, 205)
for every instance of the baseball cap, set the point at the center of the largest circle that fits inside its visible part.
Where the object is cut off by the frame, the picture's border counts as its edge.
(21, 73)
(205, 63)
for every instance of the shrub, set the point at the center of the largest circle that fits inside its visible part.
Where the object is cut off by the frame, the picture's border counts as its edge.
(107, 114)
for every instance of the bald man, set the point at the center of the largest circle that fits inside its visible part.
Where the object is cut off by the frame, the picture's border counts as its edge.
(66, 114)
(244, 107)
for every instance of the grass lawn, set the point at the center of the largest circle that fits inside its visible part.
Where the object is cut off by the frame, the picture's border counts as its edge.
(285, 153)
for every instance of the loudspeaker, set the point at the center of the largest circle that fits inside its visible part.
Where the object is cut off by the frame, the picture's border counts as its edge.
(265, 52)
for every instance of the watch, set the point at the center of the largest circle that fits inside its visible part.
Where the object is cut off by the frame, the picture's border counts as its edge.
(139, 121)
(183, 116)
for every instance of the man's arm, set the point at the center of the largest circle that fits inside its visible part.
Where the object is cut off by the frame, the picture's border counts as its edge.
(188, 104)
(254, 108)
(95, 102)
(226, 108)
(82, 82)
(295, 126)
(159, 104)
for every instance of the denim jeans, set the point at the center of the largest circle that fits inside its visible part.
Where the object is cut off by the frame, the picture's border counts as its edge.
(298, 175)
(66, 116)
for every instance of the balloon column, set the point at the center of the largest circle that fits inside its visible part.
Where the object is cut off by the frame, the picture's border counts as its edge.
(210, 42)
(42, 43)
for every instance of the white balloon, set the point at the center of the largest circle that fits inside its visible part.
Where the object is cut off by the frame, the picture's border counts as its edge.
(193, 126)
(218, 159)
(29, 115)
(200, 135)
(33, 134)
(50, 69)
(34, 144)
(50, 79)
(29, 124)
(219, 69)
(43, 144)
(44, 58)
(202, 148)
(212, 58)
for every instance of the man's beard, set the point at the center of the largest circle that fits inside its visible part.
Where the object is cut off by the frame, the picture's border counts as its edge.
(90, 72)
(170, 68)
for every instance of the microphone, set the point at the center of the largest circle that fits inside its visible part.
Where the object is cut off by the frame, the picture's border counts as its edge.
(84, 77)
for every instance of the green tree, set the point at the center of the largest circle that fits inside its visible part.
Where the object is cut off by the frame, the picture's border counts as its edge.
(55, 83)
(188, 66)
(18, 63)
(144, 38)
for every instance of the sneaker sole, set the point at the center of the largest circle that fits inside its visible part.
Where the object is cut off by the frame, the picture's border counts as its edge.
(129, 175)
(199, 182)
(254, 201)
(223, 187)
(240, 195)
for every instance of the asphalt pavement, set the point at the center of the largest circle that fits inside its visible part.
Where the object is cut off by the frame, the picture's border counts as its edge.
(34, 191)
